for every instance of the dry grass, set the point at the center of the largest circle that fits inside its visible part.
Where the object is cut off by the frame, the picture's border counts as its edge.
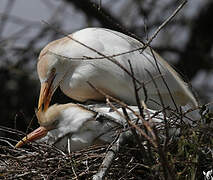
(185, 156)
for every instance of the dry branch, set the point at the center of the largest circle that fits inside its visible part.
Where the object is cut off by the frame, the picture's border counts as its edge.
(107, 162)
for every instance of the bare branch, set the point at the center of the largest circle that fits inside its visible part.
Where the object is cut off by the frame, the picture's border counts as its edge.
(107, 162)
(132, 129)
(164, 81)
(4, 18)
(166, 22)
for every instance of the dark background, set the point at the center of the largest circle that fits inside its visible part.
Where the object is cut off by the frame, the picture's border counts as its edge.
(186, 43)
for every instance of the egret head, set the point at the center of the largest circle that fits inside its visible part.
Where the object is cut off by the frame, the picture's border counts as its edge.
(64, 118)
(48, 121)
(51, 70)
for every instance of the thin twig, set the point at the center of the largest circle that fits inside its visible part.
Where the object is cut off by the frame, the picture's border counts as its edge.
(161, 100)
(4, 18)
(73, 170)
(156, 87)
(138, 140)
(132, 129)
(166, 22)
(107, 162)
(94, 50)
(143, 47)
(12, 131)
(6, 141)
(140, 107)
(30, 123)
(164, 81)
(136, 92)
(100, 116)
(163, 106)
(145, 123)
(131, 124)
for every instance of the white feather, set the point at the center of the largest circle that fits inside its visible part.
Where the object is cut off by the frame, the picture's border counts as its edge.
(79, 125)
(109, 77)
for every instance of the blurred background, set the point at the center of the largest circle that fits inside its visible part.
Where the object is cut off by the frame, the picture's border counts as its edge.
(27, 26)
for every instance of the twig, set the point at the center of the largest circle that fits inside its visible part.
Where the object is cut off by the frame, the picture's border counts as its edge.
(73, 170)
(107, 162)
(164, 81)
(100, 116)
(132, 129)
(150, 40)
(12, 131)
(6, 141)
(24, 174)
(30, 124)
(100, 4)
(168, 173)
(19, 21)
(4, 18)
(166, 22)
(143, 151)
(136, 92)
(92, 9)
(145, 123)
(131, 124)
(87, 58)
(157, 89)
(163, 106)
(161, 100)
(94, 50)
(140, 107)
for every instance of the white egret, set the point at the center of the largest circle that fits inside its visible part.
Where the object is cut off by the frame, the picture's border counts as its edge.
(75, 60)
(72, 127)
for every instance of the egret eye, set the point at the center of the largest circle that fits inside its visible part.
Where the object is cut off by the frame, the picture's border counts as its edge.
(53, 70)
(55, 123)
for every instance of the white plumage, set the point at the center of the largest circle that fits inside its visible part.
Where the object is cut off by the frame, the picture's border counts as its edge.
(80, 126)
(70, 65)
(75, 60)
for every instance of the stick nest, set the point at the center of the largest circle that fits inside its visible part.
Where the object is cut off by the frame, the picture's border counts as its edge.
(184, 156)
(40, 161)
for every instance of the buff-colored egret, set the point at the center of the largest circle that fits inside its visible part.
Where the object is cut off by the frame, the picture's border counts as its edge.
(72, 127)
(87, 56)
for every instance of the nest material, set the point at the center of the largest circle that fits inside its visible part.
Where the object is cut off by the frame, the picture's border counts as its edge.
(184, 157)
(41, 161)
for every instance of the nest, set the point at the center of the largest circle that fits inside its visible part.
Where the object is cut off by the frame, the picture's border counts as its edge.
(40, 161)
(184, 156)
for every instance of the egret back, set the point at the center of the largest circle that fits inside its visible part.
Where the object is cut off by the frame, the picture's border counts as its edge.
(90, 53)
